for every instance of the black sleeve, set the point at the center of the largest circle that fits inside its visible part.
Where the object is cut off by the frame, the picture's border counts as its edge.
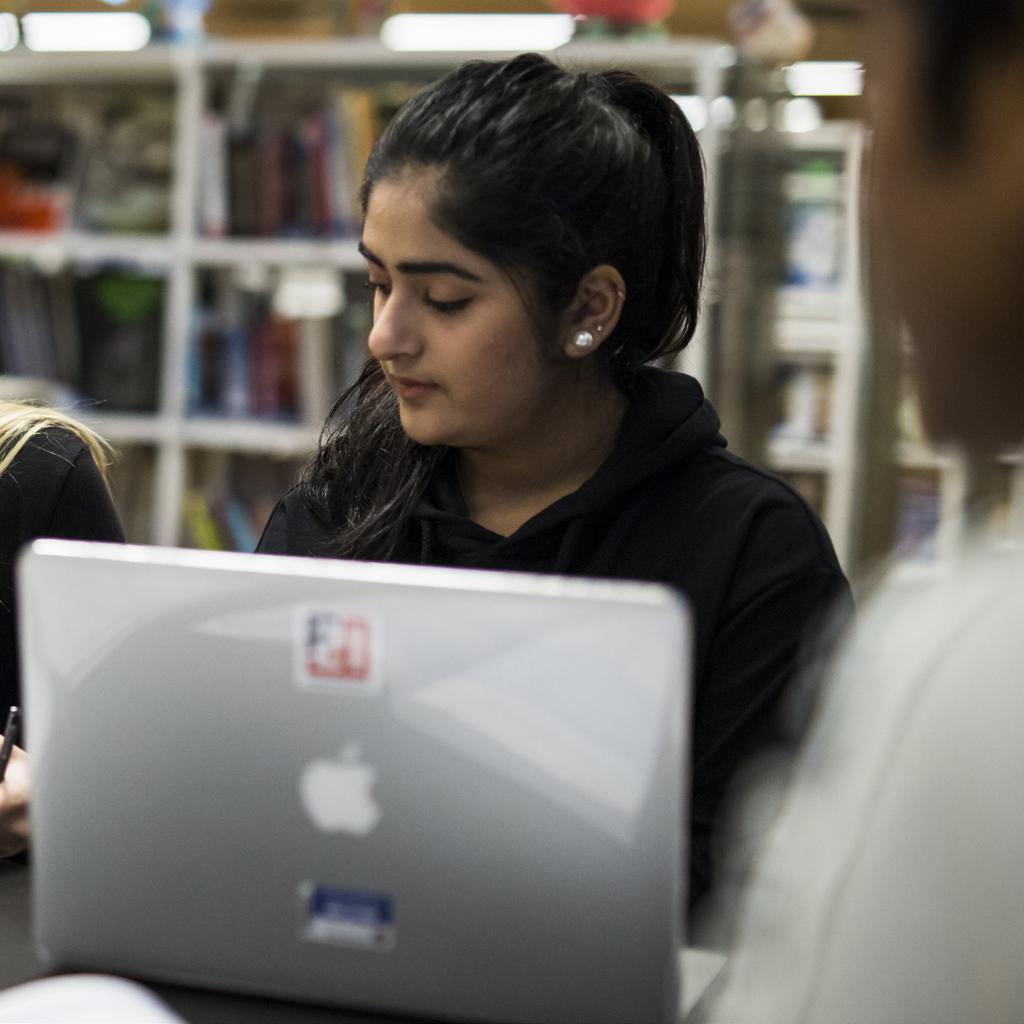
(274, 539)
(53, 489)
(84, 509)
(788, 588)
(293, 529)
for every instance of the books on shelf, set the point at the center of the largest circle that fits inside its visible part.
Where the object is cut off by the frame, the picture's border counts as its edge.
(200, 527)
(132, 476)
(277, 19)
(28, 342)
(99, 334)
(293, 169)
(805, 402)
(97, 158)
(213, 176)
(120, 323)
(230, 498)
(816, 231)
(244, 363)
(221, 523)
(251, 357)
(125, 181)
(37, 161)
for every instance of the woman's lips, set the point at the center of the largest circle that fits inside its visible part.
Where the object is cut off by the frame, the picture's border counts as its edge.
(409, 389)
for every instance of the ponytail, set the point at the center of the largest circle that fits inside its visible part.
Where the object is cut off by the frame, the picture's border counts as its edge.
(678, 229)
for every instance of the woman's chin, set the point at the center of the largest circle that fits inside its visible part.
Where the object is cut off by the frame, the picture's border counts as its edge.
(424, 430)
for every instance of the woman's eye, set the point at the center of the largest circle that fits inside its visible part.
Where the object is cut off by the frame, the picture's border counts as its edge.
(447, 307)
(376, 286)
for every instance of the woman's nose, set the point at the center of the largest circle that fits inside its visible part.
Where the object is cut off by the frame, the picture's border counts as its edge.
(394, 332)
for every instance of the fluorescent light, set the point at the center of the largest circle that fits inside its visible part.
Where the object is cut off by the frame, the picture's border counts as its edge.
(802, 115)
(509, 32)
(825, 78)
(85, 30)
(696, 110)
(722, 110)
(8, 32)
(757, 115)
(308, 293)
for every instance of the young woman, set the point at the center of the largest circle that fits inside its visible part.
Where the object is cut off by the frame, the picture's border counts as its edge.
(52, 484)
(534, 240)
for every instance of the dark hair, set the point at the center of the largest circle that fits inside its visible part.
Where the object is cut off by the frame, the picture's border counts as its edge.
(547, 173)
(956, 35)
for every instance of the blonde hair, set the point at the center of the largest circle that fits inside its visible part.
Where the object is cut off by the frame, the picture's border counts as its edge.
(21, 421)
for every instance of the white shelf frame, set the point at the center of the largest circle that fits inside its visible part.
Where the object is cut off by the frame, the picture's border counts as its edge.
(340, 254)
(56, 249)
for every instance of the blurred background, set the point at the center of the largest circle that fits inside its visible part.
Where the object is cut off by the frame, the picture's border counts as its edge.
(178, 265)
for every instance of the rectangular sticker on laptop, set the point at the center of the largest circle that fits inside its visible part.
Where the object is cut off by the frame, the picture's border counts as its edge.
(338, 651)
(347, 917)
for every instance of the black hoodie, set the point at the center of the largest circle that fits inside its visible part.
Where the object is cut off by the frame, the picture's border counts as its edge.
(671, 505)
(52, 488)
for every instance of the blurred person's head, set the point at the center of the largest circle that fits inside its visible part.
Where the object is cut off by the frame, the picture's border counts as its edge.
(946, 80)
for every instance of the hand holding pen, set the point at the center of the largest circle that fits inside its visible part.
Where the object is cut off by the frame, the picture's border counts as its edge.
(15, 787)
(10, 736)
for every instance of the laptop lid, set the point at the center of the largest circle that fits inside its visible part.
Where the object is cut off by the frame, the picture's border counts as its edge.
(446, 793)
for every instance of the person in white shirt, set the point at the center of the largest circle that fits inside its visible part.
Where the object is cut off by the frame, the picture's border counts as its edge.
(891, 887)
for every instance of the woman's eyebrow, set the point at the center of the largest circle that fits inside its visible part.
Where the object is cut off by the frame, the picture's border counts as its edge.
(424, 267)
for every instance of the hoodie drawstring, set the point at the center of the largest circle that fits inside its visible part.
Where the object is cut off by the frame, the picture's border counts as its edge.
(426, 541)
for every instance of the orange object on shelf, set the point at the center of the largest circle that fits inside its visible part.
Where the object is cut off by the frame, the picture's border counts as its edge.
(634, 12)
(26, 207)
(288, 19)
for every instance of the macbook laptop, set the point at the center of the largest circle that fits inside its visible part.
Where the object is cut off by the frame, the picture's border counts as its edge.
(443, 793)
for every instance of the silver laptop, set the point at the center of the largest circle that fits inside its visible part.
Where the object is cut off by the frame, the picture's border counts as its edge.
(443, 793)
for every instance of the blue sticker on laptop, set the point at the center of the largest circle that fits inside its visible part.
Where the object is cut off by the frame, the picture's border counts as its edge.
(338, 651)
(347, 917)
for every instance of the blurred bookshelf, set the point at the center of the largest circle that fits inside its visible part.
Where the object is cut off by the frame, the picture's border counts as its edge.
(819, 334)
(943, 496)
(177, 256)
(823, 351)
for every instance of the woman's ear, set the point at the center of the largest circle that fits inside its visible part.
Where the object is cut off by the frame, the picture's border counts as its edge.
(594, 312)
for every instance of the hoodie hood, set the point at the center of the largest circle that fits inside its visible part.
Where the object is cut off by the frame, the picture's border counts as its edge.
(668, 421)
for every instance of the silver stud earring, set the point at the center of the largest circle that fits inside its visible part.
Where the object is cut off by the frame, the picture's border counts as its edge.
(599, 328)
(583, 339)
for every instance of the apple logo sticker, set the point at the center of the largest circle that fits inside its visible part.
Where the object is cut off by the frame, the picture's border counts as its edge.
(337, 794)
